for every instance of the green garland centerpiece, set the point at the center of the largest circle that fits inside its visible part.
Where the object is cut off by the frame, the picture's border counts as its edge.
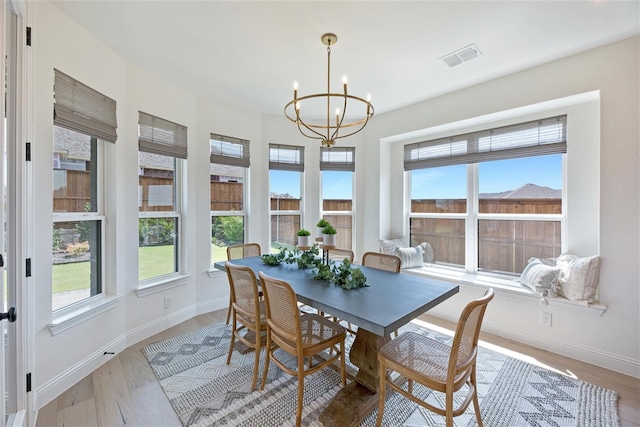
(343, 274)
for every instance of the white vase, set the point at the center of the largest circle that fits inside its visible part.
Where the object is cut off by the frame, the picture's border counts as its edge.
(304, 241)
(329, 239)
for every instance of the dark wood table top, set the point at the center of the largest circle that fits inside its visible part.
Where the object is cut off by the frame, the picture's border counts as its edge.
(390, 301)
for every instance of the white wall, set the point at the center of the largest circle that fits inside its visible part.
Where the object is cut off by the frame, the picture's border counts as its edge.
(63, 359)
(612, 340)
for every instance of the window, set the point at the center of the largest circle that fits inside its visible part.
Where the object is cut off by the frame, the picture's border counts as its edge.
(488, 201)
(162, 147)
(337, 167)
(228, 173)
(286, 165)
(84, 120)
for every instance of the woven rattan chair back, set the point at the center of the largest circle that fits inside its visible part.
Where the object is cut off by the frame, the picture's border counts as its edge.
(437, 365)
(244, 250)
(381, 261)
(283, 316)
(249, 319)
(341, 254)
(464, 348)
(244, 292)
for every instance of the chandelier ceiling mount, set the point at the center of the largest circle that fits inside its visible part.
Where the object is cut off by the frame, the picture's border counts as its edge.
(339, 126)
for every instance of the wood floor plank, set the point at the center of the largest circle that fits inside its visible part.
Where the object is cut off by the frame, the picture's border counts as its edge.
(83, 390)
(114, 406)
(48, 415)
(152, 406)
(135, 368)
(82, 414)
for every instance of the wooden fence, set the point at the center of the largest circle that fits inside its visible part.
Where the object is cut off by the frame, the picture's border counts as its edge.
(503, 245)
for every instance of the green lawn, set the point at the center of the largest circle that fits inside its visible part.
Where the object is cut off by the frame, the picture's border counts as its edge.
(154, 261)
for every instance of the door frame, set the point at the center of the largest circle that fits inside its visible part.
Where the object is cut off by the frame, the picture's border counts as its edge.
(19, 215)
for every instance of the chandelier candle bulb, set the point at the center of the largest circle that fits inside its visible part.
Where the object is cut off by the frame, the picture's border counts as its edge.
(337, 116)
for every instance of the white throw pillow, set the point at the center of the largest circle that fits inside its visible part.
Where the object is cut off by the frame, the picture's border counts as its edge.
(388, 246)
(410, 257)
(540, 277)
(427, 252)
(579, 277)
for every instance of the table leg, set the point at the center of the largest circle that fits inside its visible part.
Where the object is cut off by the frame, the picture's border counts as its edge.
(355, 401)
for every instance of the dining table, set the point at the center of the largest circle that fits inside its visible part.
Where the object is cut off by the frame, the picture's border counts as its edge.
(389, 301)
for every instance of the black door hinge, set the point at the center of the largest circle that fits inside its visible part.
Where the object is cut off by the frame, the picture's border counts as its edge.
(28, 36)
(28, 152)
(28, 267)
(29, 382)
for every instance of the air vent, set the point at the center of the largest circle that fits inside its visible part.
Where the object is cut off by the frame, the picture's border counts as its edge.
(461, 55)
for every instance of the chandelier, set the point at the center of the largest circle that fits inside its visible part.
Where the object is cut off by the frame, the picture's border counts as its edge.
(338, 126)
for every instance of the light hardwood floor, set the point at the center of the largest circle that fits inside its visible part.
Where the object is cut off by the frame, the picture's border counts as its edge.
(125, 391)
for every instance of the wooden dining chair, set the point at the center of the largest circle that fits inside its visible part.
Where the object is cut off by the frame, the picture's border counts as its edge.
(249, 316)
(436, 365)
(301, 335)
(242, 250)
(382, 261)
(340, 254)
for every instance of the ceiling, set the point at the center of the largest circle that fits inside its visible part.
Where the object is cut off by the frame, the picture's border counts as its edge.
(248, 53)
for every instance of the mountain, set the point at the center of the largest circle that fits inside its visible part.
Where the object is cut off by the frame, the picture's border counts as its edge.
(527, 191)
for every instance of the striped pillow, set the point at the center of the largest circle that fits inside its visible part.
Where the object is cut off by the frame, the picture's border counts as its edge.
(410, 257)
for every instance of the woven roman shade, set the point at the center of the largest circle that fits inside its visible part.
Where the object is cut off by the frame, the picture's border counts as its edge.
(160, 136)
(337, 159)
(79, 108)
(286, 157)
(535, 138)
(226, 150)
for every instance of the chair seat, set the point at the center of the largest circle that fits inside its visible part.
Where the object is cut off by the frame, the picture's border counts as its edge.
(263, 317)
(317, 329)
(423, 356)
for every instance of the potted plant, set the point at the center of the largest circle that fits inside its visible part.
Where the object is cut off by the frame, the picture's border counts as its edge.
(321, 225)
(303, 238)
(329, 235)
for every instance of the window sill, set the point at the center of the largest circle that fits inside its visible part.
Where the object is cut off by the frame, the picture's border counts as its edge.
(147, 288)
(76, 314)
(506, 287)
(215, 272)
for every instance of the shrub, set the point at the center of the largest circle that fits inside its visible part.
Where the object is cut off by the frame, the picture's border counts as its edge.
(77, 249)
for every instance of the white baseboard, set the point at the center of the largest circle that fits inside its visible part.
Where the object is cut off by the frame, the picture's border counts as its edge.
(63, 381)
(594, 356)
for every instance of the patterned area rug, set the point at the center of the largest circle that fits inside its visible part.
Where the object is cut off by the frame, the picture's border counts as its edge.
(204, 391)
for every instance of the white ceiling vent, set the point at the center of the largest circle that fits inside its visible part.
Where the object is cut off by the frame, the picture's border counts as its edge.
(461, 55)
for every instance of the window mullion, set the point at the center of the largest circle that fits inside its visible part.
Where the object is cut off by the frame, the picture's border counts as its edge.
(471, 222)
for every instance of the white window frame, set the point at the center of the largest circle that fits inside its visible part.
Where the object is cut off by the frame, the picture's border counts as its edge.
(473, 216)
(179, 239)
(350, 213)
(273, 212)
(98, 215)
(241, 213)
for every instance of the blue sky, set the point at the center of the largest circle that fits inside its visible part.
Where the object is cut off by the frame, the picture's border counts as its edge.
(445, 182)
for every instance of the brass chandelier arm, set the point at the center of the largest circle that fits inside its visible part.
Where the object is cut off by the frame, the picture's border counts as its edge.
(328, 133)
(295, 118)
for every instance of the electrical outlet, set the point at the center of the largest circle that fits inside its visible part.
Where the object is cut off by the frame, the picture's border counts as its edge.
(167, 302)
(545, 319)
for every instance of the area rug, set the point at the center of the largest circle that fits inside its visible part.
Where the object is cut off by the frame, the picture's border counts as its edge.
(204, 391)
